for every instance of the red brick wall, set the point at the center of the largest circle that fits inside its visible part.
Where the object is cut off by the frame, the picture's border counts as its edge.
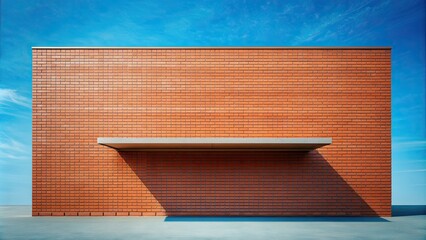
(82, 94)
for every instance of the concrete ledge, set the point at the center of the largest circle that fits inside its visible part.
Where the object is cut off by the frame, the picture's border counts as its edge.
(212, 47)
(212, 144)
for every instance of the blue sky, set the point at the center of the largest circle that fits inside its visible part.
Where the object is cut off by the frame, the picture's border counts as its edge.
(400, 24)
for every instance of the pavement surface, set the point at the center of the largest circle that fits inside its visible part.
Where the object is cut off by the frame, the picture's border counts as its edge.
(408, 222)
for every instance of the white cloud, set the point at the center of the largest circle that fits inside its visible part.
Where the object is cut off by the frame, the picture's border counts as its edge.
(10, 96)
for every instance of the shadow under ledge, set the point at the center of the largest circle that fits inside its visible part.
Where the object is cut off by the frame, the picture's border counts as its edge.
(220, 184)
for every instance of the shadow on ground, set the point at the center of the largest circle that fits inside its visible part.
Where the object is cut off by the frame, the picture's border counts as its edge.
(275, 219)
(408, 210)
(397, 211)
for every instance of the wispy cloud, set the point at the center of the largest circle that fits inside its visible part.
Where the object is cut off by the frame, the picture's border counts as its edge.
(416, 161)
(420, 184)
(410, 145)
(13, 149)
(12, 145)
(407, 98)
(325, 27)
(10, 96)
(411, 171)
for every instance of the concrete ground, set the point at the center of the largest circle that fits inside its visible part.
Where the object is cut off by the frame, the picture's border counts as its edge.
(16, 222)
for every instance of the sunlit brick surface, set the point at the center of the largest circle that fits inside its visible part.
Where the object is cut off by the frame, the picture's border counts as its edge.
(82, 94)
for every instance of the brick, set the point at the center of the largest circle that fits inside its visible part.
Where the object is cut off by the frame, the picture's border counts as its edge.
(44, 214)
(58, 214)
(96, 213)
(109, 214)
(83, 213)
(135, 214)
(122, 213)
(148, 214)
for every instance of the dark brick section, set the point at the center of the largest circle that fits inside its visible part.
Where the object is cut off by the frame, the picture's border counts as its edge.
(82, 94)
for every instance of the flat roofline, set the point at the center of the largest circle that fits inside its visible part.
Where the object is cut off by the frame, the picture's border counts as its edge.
(214, 144)
(214, 47)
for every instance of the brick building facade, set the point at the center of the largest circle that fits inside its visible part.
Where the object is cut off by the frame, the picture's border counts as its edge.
(82, 94)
